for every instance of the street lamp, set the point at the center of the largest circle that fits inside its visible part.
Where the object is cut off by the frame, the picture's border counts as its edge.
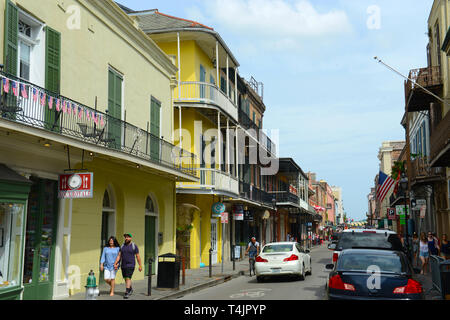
(404, 185)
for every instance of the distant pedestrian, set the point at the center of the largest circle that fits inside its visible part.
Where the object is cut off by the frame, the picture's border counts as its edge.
(433, 245)
(288, 237)
(107, 260)
(445, 247)
(424, 252)
(128, 254)
(415, 246)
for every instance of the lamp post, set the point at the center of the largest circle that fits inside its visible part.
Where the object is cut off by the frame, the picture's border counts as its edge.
(404, 186)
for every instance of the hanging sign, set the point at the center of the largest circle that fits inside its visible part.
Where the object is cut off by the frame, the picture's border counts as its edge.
(224, 217)
(217, 209)
(391, 214)
(238, 213)
(248, 215)
(76, 186)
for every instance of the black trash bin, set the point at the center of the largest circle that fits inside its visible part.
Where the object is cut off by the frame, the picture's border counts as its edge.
(445, 279)
(168, 271)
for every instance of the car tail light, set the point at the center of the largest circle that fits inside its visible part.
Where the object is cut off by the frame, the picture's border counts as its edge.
(291, 258)
(411, 287)
(335, 257)
(336, 282)
(259, 259)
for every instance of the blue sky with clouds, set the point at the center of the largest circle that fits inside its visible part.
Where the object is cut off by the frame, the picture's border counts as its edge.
(332, 103)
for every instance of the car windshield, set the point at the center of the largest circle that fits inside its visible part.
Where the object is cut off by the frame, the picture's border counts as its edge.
(381, 263)
(272, 248)
(350, 240)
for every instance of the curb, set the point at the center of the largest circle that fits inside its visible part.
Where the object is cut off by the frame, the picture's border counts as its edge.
(202, 286)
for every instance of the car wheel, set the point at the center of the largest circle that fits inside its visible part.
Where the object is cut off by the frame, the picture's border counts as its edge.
(259, 279)
(302, 275)
(310, 270)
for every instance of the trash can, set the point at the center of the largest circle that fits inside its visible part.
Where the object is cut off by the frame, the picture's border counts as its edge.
(168, 271)
(445, 279)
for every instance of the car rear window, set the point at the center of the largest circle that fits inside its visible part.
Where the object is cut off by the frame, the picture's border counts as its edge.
(350, 240)
(277, 248)
(361, 262)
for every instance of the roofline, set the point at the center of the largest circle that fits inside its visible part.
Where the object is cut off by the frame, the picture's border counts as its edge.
(196, 29)
(296, 165)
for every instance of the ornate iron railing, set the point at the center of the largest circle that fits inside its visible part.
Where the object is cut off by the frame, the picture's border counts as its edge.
(28, 104)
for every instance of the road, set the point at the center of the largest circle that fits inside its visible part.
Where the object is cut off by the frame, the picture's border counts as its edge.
(279, 288)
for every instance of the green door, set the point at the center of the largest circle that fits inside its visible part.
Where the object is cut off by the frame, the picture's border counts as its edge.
(155, 116)
(150, 244)
(115, 109)
(40, 240)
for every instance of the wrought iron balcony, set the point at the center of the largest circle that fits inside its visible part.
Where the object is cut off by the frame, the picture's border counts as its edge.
(205, 93)
(416, 98)
(285, 197)
(30, 105)
(212, 181)
(422, 172)
(253, 193)
(440, 143)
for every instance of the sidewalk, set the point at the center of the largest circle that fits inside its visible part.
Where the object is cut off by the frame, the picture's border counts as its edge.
(195, 280)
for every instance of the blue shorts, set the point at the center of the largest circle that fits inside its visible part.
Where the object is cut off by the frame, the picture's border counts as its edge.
(424, 254)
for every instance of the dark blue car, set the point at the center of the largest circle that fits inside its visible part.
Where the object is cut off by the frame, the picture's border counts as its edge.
(373, 274)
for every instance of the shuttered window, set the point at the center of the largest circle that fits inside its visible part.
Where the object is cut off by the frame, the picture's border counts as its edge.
(52, 74)
(11, 38)
(155, 116)
(115, 81)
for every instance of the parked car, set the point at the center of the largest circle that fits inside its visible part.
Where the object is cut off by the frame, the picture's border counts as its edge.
(283, 258)
(335, 237)
(356, 238)
(373, 274)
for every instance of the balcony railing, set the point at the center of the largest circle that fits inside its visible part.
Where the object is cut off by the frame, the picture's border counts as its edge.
(213, 180)
(253, 193)
(416, 98)
(422, 171)
(439, 143)
(285, 197)
(203, 92)
(28, 104)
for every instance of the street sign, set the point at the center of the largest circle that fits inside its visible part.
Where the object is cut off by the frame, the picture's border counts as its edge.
(224, 217)
(76, 186)
(238, 213)
(391, 213)
(217, 209)
(248, 216)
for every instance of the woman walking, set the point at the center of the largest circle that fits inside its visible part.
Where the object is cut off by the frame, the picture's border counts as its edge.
(433, 246)
(109, 256)
(445, 247)
(424, 253)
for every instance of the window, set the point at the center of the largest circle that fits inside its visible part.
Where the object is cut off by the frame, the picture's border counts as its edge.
(24, 60)
(11, 238)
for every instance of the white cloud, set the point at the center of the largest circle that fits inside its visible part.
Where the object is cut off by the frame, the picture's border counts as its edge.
(273, 18)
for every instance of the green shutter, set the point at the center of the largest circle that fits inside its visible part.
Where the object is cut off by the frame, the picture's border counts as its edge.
(155, 116)
(114, 108)
(11, 38)
(52, 74)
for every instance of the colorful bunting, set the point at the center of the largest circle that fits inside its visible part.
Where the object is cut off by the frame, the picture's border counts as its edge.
(43, 97)
(50, 102)
(35, 94)
(15, 89)
(24, 91)
(6, 85)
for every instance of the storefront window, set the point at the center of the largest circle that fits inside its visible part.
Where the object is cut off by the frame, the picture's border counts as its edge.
(11, 228)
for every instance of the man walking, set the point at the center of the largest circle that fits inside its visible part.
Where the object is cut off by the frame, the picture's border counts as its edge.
(127, 254)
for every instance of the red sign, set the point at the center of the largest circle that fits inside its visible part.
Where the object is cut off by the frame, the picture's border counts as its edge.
(76, 186)
(391, 213)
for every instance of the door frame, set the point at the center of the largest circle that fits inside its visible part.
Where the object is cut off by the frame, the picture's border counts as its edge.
(154, 214)
(214, 254)
(112, 221)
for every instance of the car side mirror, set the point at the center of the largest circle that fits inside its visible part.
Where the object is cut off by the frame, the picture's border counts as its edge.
(329, 266)
(332, 246)
(307, 251)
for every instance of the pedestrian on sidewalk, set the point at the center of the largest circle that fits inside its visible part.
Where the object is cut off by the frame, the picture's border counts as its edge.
(415, 246)
(107, 262)
(445, 247)
(424, 253)
(433, 246)
(128, 254)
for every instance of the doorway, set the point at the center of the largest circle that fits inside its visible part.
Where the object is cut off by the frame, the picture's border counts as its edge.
(151, 234)
(214, 241)
(40, 240)
(108, 223)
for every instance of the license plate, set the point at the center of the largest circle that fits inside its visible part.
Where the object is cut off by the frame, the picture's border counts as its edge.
(276, 270)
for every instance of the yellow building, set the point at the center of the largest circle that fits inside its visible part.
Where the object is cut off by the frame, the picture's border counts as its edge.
(83, 91)
(209, 98)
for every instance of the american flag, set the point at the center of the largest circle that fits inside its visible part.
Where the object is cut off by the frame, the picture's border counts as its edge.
(385, 183)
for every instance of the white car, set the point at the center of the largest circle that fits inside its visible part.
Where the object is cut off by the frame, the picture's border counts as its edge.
(283, 258)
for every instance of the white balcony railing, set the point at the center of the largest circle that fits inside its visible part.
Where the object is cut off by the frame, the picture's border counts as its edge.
(202, 92)
(213, 180)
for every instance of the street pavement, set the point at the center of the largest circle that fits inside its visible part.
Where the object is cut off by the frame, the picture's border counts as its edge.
(235, 283)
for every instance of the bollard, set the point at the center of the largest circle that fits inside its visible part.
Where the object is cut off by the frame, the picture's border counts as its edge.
(210, 262)
(149, 286)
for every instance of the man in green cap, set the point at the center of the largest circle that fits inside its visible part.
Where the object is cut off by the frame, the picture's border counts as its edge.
(127, 254)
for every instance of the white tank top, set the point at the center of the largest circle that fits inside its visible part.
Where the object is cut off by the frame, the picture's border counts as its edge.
(423, 246)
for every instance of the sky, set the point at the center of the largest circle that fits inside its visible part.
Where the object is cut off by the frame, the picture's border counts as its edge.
(332, 103)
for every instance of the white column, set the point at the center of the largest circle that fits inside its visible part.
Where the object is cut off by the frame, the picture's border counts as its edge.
(228, 146)
(235, 86)
(219, 142)
(179, 123)
(217, 64)
(237, 152)
(179, 65)
(68, 233)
